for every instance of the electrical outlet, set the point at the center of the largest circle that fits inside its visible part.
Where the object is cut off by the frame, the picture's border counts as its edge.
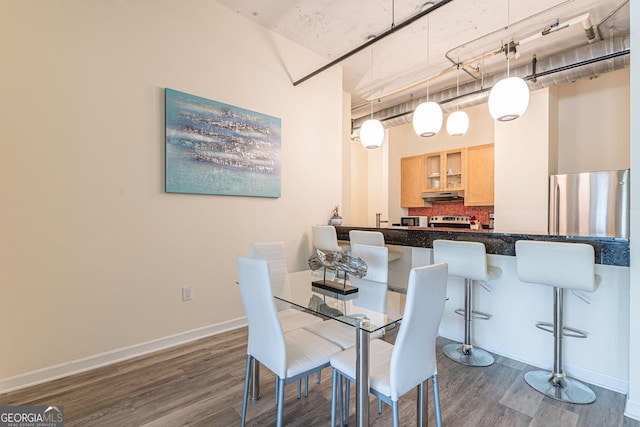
(186, 293)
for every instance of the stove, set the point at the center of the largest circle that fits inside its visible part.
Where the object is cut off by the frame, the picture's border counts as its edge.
(450, 221)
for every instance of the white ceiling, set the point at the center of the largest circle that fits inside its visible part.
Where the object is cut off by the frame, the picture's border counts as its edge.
(460, 31)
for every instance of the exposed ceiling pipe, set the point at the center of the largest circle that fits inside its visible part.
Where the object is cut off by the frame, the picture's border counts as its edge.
(584, 19)
(585, 62)
(375, 39)
(484, 36)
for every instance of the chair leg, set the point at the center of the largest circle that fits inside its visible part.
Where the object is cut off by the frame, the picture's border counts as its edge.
(319, 375)
(347, 398)
(436, 400)
(280, 402)
(396, 417)
(420, 409)
(334, 384)
(245, 395)
(341, 401)
(379, 406)
(299, 387)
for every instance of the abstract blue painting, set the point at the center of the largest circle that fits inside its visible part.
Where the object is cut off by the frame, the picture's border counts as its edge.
(215, 148)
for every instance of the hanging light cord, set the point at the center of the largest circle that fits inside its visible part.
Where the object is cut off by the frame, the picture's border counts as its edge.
(458, 84)
(393, 14)
(508, 34)
(428, 42)
(372, 82)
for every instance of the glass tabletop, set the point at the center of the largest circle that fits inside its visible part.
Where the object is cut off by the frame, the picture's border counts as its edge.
(375, 302)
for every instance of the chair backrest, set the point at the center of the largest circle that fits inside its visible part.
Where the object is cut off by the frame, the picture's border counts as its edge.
(266, 339)
(566, 265)
(274, 253)
(465, 259)
(413, 359)
(372, 238)
(377, 260)
(325, 238)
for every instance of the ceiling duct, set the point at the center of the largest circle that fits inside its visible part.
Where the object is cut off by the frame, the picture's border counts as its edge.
(584, 62)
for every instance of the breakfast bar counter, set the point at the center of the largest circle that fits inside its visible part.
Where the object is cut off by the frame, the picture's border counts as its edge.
(608, 250)
(601, 359)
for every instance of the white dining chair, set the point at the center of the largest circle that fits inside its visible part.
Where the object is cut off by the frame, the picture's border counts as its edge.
(372, 238)
(411, 361)
(372, 295)
(290, 318)
(290, 356)
(274, 253)
(325, 238)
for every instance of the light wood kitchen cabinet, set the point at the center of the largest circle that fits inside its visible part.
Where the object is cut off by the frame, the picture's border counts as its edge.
(479, 176)
(412, 182)
(445, 170)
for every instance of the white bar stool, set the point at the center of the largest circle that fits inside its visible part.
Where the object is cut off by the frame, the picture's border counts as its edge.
(467, 260)
(563, 266)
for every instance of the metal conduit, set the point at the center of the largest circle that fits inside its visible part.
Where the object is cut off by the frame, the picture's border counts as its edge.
(587, 61)
(376, 39)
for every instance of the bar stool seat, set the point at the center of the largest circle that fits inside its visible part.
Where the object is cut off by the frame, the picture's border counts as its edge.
(562, 266)
(467, 260)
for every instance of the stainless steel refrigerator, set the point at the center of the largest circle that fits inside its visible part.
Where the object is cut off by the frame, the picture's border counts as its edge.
(589, 204)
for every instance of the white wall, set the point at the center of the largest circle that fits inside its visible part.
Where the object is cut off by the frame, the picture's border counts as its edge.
(593, 123)
(93, 251)
(522, 152)
(633, 400)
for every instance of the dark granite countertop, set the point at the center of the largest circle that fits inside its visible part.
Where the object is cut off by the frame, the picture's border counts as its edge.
(608, 250)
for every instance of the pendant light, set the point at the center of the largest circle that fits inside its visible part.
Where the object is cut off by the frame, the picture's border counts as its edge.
(458, 121)
(509, 98)
(428, 117)
(371, 131)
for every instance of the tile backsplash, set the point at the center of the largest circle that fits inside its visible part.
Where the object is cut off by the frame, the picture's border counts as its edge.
(454, 208)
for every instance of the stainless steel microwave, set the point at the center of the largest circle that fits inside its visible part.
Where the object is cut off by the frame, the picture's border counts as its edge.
(414, 221)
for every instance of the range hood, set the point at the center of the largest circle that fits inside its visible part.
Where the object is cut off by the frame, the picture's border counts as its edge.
(442, 196)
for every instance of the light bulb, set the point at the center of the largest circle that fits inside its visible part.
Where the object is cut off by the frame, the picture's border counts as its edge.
(457, 123)
(371, 134)
(508, 99)
(427, 119)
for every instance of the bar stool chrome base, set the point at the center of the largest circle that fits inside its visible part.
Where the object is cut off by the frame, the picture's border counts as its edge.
(472, 357)
(563, 388)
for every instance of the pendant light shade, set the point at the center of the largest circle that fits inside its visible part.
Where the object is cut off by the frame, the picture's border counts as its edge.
(508, 99)
(371, 134)
(427, 119)
(457, 123)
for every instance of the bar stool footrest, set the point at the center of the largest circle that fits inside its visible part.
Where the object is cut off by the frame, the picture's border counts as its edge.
(566, 331)
(480, 315)
(476, 356)
(568, 389)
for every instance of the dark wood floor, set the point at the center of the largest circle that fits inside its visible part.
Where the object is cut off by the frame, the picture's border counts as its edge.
(200, 384)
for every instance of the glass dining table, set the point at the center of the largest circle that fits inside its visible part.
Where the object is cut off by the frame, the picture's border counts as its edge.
(371, 309)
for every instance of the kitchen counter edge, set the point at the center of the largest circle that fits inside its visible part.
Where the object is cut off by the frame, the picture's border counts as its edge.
(608, 250)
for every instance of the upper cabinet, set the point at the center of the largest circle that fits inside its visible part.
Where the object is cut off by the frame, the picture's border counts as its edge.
(469, 170)
(480, 176)
(444, 170)
(411, 181)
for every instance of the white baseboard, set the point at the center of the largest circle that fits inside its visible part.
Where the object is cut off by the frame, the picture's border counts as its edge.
(611, 383)
(76, 366)
(632, 409)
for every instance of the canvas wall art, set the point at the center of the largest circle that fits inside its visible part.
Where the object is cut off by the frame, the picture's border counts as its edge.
(215, 148)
